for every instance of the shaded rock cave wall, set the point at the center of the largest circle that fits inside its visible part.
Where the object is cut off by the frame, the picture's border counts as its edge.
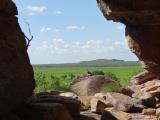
(142, 20)
(16, 73)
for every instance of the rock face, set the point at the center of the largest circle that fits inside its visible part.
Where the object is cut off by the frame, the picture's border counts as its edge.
(89, 85)
(16, 73)
(142, 20)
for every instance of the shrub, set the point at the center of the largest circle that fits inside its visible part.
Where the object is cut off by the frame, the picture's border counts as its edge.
(71, 76)
(96, 72)
(64, 76)
(111, 76)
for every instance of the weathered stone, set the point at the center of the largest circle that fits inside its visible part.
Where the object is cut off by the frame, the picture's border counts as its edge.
(149, 111)
(98, 105)
(137, 106)
(72, 105)
(120, 102)
(152, 87)
(8, 7)
(100, 95)
(143, 117)
(113, 114)
(69, 94)
(87, 115)
(44, 111)
(55, 112)
(16, 73)
(143, 77)
(142, 20)
(89, 85)
(146, 98)
(126, 91)
(158, 113)
(135, 88)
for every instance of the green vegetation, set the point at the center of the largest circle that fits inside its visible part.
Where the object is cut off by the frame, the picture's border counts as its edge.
(59, 78)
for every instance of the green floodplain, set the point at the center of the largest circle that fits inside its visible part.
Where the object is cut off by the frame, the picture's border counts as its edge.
(50, 78)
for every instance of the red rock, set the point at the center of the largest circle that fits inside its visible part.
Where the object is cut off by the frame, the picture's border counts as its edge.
(72, 105)
(113, 114)
(44, 111)
(143, 77)
(120, 102)
(98, 105)
(158, 113)
(143, 117)
(16, 73)
(89, 85)
(126, 91)
(149, 111)
(142, 20)
(100, 95)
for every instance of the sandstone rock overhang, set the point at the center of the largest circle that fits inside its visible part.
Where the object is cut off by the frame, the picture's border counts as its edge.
(142, 20)
(16, 73)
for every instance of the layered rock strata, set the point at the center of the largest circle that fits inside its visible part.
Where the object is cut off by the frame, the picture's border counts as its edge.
(142, 20)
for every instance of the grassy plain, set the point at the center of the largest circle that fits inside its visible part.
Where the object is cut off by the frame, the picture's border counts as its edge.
(59, 78)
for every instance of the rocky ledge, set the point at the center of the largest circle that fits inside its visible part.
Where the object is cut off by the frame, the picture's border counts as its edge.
(142, 20)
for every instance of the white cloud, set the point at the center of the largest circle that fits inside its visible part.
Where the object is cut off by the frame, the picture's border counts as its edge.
(45, 29)
(75, 27)
(36, 9)
(72, 27)
(60, 51)
(58, 12)
(56, 30)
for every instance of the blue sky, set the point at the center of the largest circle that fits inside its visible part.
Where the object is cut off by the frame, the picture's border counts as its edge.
(71, 31)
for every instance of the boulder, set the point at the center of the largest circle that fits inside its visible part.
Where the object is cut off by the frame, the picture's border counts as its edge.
(149, 111)
(72, 105)
(44, 111)
(145, 98)
(98, 105)
(16, 73)
(87, 115)
(135, 88)
(113, 114)
(57, 113)
(137, 116)
(100, 95)
(158, 113)
(143, 77)
(126, 91)
(89, 85)
(69, 94)
(120, 102)
(152, 87)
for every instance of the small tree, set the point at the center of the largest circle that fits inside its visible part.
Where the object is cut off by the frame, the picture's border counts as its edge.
(30, 34)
